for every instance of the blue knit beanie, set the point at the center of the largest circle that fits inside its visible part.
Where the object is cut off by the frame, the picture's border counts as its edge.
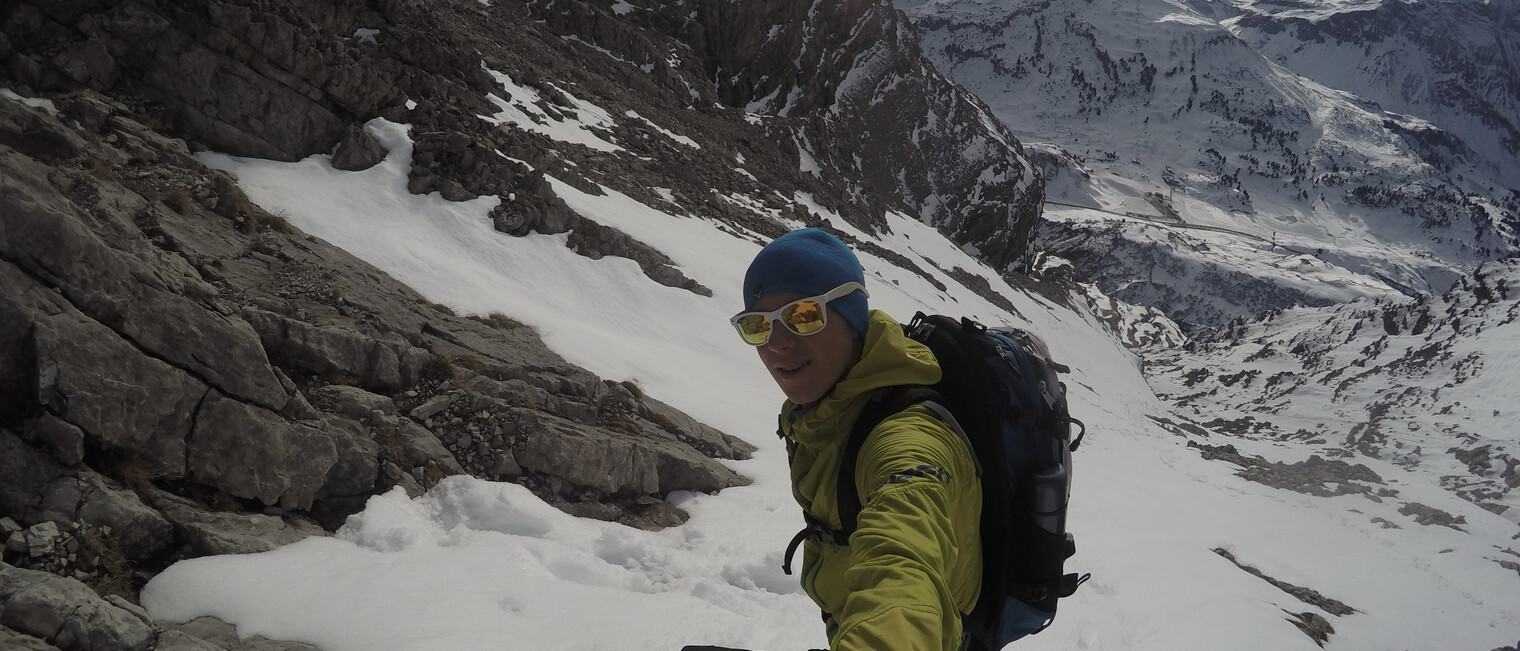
(810, 262)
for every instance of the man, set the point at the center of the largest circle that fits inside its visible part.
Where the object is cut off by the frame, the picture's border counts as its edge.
(912, 567)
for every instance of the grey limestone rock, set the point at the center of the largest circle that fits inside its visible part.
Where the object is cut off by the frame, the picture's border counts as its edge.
(15, 641)
(212, 633)
(67, 613)
(423, 448)
(614, 464)
(123, 400)
(357, 151)
(328, 350)
(137, 531)
(63, 438)
(159, 330)
(206, 532)
(352, 402)
(358, 462)
(253, 453)
(46, 241)
(26, 474)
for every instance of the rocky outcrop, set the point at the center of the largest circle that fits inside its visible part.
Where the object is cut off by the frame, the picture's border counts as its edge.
(289, 79)
(272, 82)
(183, 374)
(44, 612)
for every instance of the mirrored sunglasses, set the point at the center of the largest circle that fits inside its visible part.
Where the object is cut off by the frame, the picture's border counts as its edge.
(804, 316)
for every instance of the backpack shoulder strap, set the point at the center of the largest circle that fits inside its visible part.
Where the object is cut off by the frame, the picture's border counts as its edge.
(886, 402)
(883, 403)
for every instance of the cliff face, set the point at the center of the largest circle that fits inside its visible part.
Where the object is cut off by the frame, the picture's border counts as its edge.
(873, 114)
(856, 118)
(170, 351)
(255, 79)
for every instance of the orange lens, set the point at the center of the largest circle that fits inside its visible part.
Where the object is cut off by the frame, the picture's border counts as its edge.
(803, 317)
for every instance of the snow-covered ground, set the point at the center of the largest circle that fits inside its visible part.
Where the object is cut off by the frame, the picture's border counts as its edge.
(481, 565)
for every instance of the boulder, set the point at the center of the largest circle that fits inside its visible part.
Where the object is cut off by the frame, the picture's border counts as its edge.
(433, 406)
(121, 399)
(612, 463)
(357, 151)
(24, 474)
(351, 402)
(707, 440)
(42, 539)
(14, 641)
(63, 438)
(217, 634)
(358, 461)
(137, 530)
(253, 453)
(413, 446)
(391, 476)
(209, 533)
(369, 362)
(67, 613)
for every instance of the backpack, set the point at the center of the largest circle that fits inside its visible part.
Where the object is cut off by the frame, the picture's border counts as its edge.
(1006, 401)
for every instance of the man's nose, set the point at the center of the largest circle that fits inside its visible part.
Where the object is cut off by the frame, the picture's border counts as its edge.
(782, 337)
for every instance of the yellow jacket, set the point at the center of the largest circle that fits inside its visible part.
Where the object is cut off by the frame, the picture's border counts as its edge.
(913, 565)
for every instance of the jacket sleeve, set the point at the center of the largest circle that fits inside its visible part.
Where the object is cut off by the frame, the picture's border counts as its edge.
(915, 559)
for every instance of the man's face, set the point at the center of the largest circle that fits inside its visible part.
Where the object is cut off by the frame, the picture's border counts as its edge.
(806, 367)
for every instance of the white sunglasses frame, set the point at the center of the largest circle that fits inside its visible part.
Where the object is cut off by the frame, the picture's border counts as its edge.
(822, 299)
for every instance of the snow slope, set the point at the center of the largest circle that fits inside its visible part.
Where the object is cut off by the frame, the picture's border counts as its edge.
(479, 565)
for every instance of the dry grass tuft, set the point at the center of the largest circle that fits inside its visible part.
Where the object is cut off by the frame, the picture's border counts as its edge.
(253, 219)
(499, 321)
(179, 200)
(437, 369)
(99, 169)
(114, 574)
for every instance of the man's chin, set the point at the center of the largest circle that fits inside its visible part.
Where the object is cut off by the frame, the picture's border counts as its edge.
(801, 396)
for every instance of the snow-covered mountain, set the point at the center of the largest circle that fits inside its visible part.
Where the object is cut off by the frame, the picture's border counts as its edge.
(1427, 385)
(570, 192)
(1452, 64)
(1171, 114)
